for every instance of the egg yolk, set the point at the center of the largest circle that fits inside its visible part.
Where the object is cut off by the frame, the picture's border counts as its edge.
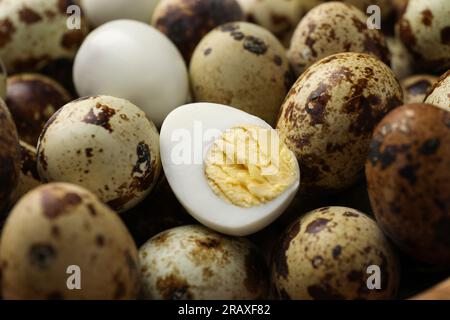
(249, 165)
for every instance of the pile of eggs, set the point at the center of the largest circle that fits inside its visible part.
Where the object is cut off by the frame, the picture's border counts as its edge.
(157, 149)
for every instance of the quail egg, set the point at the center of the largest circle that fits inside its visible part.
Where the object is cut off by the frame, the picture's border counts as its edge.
(227, 168)
(335, 253)
(32, 100)
(439, 94)
(333, 28)
(401, 59)
(409, 180)
(328, 117)
(2, 81)
(415, 88)
(134, 61)
(242, 65)
(9, 156)
(104, 144)
(59, 230)
(99, 12)
(35, 32)
(185, 22)
(424, 28)
(194, 263)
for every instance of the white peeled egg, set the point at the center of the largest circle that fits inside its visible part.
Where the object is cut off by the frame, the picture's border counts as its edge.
(99, 12)
(186, 136)
(132, 60)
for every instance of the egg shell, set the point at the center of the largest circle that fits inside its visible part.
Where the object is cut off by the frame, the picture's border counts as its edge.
(424, 28)
(134, 61)
(99, 12)
(401, 59)
(34, 32)
(415, 88)
(244, 66)
(195, 263)
(60, 225)
(328, 117)
(186, 22)
(439, 94)
(325, 255)
(32, 99)
(333, 28)
(409, 180)
(104, 144)
(185, 176)
(9, 156)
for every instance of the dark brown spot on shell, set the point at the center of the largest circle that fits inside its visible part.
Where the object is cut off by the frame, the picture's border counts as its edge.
(172, 287)
(350, 214)
(41, 255)
(427, 17)
(100, 116)
(100, 240)
(72, 39)
(29, 16)
(208, 243)
(430, 147)
(316, 104)
(207, 51)
(143, 173)
(384, 157)
(277, 59)
(255, 45)
(337, 250)
(317, 225)
(88, 152)
(7, 30)
(408, 172)
(53, 206)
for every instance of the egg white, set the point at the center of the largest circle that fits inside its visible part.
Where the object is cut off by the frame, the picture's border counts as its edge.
(188, 180)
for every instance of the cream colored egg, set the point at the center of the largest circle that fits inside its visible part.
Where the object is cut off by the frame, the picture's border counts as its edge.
(439, 94)
(104, 144)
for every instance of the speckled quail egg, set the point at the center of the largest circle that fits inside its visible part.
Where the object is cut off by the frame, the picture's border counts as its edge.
(439, 94)
(28, 176)
(32, 100)
(194, 263)
(401, 59)
(34, 32)
(134, 61)
(333, 28)
(329, 254)
(59, 230)
(185, 22)
(409, 180)
(415, 88)
(9, 156)
(3, 77)
(243, 175)
(279, 17)
(99, 12)
(424, 28)
(328, 117)
(104, 144)
(242, 65)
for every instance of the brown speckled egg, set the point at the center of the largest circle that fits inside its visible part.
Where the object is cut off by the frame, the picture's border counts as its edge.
(32, 100)
(408, 175)
(401, 59)
(9, 156)
(333, 28)
(3, 77)
(415, 88)
(61, 225)
(424, 28)
(34, 32)
(439, 94)
(29, 176)
(185, 22)
(194, 263)
(326, 254)
(104, 144)
(244, 66)
(328, 117)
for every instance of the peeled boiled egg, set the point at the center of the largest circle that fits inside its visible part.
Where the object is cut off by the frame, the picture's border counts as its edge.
(228, 169)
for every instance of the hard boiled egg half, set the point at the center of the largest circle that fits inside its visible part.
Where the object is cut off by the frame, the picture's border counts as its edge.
(229, 169)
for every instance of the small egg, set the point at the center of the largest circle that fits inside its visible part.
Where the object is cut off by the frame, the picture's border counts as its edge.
(186, 22)
(35, 32)
(99, 12)
(424, 28)
(242, 65)
(243, 175)
(134, 61)
(328, 117)
(59, 230)
(9, 156)
(401, 59)
(104, 144)
(3, 77)
(408, 175)
(333, 28)
(415, 88)
(328, 255)
(194, 263)
(32, 100)
(439, 94)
